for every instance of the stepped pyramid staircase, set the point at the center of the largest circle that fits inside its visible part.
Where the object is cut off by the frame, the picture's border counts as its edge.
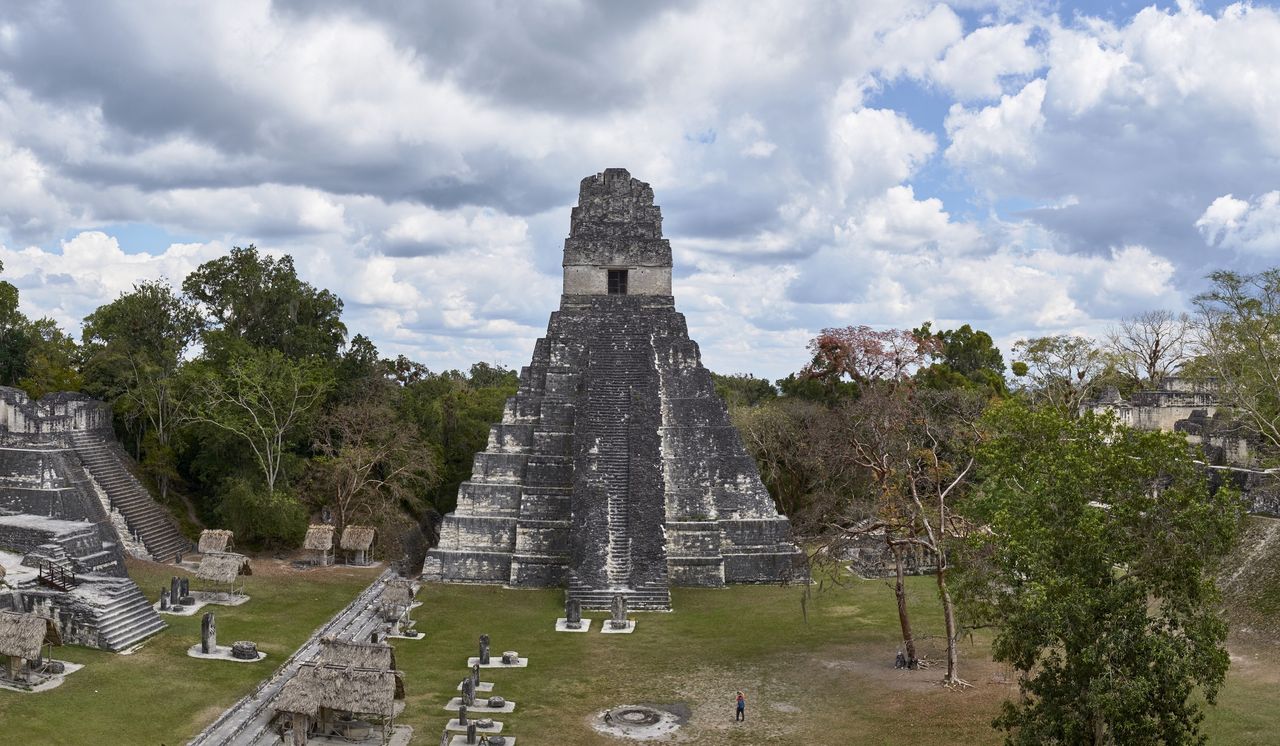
(118, 610)
(125, 617)
(147, 519)
(619, 374)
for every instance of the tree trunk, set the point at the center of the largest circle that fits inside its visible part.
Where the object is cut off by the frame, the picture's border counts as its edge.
(900, 590)
(949, 616)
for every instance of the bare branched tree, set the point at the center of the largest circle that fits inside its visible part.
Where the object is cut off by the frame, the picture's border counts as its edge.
(1150, 346)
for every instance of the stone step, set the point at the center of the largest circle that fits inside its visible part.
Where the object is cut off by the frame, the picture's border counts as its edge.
(150, 522)
(126, 617)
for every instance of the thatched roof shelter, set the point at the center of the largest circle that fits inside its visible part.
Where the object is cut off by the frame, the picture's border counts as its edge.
(223, 567)
(214, 540)
(319, 538)
(22, 635)
(396, 598)
(339, 688)
(357, 538)
(344, 653)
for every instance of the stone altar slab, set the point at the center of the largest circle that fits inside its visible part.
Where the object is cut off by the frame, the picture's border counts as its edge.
(608, 630)
(481, 709)
(496, 662)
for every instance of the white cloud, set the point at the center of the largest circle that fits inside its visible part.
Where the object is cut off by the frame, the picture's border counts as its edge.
(91, 269)
(1251, 226)
(422, 164)
(998, 137)
(975, 66)
(873, 149)
(913, 47)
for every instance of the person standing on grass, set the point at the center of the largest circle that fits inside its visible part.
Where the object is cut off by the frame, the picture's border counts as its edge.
(742, 707)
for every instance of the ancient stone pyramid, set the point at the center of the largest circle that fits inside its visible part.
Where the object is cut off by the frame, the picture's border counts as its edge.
(615, 468)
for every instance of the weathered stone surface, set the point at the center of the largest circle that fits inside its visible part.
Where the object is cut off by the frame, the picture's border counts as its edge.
(244, 650)
(615, 468)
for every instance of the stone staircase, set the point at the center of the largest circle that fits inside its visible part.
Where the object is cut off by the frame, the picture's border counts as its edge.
(655, 598)
(125, 616)
(610, 414)
(146, 518)
(618, 370)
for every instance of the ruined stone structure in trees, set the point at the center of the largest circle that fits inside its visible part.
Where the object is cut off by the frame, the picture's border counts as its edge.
(615, 468)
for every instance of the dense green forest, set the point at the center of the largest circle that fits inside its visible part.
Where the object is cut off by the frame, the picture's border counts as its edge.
(248, 405)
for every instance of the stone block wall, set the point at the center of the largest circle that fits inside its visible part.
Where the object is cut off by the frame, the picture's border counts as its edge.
(52, 414)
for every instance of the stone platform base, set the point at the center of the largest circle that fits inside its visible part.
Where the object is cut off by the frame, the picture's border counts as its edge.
(483, 686)
(609, 630)
(457, 727)
(562, 622)
(52, 682)
(462, 740)
(481, 709)
(204, 598)
(496, 662)
(221, 653)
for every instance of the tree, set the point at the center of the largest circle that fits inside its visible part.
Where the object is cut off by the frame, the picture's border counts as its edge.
(863, 354)
(453, 412)
(1150, 346)
(781, 436)
(369, 463)
(1238, 321)
(264, 400)
(916, 447)
(1061, 368)
(1094, 569)
(34, 355)
(133, 349)
(743, 389)
(258, 300)
(14, 341)
(52, 359)
(966, 359)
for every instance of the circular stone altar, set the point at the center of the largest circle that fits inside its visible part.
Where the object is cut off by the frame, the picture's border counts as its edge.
(640, 722)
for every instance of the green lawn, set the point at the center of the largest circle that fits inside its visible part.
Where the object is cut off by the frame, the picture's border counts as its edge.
(159, 695)
(829, 680)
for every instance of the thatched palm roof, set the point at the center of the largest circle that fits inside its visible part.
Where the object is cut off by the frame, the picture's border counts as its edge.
(319, 538)
(223, 567)
(23, 635)
(340, 688)
(396, 596)
(214, 540)
(344, 653)
(357, 538)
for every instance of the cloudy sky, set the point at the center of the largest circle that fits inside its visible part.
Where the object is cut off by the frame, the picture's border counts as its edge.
(1027, 167)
